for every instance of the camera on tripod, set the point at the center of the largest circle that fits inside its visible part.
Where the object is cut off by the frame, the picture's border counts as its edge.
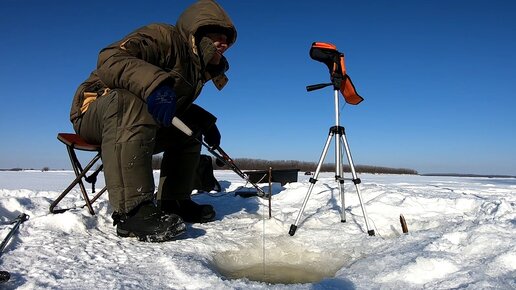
(328, 54)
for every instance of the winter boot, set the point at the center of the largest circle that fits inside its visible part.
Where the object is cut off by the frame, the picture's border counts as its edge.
(189, 211)
(149, 224)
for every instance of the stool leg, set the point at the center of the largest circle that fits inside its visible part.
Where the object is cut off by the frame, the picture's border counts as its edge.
(80, 174)
(97, 195)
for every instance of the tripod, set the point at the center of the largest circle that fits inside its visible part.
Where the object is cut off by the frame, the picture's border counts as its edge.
(338, 132)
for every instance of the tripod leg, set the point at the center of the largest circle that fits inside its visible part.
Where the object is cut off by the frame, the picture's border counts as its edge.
(356, 181)
(313, 180)
(339, 172)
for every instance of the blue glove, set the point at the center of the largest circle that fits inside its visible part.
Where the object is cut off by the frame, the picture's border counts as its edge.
(161, 104)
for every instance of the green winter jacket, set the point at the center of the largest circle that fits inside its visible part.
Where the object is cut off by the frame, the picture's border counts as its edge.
(159, 53)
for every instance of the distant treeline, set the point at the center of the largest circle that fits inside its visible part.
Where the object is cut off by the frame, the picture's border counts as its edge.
(469, 175)
(260, 164)
(46, 168)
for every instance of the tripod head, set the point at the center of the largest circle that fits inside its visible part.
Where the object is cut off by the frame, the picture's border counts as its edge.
(328, 54)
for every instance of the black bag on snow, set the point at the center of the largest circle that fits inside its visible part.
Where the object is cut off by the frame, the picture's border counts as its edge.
(205, 180)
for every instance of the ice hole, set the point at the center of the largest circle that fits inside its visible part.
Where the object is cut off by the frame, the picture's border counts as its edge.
(282, 265)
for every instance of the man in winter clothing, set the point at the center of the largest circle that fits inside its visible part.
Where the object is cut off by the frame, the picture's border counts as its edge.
(127, 105)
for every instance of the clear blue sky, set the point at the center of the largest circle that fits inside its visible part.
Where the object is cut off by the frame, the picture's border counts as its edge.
(438, 78)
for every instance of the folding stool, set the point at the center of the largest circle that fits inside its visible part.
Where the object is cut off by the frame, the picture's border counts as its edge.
(75, 142)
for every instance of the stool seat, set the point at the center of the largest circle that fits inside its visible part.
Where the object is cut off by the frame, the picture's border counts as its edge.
(74, 142)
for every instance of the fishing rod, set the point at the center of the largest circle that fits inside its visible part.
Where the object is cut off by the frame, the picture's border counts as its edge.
(4, 275)
(219, 154)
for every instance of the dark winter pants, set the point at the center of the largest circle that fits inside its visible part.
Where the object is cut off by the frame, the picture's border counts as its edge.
(129, 136)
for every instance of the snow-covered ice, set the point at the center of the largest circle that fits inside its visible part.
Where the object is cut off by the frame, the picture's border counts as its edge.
(461, 235)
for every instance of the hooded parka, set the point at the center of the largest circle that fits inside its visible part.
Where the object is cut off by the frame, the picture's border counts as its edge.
(109, 107)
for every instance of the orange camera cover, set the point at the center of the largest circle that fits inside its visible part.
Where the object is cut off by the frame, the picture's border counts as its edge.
(347, 89)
